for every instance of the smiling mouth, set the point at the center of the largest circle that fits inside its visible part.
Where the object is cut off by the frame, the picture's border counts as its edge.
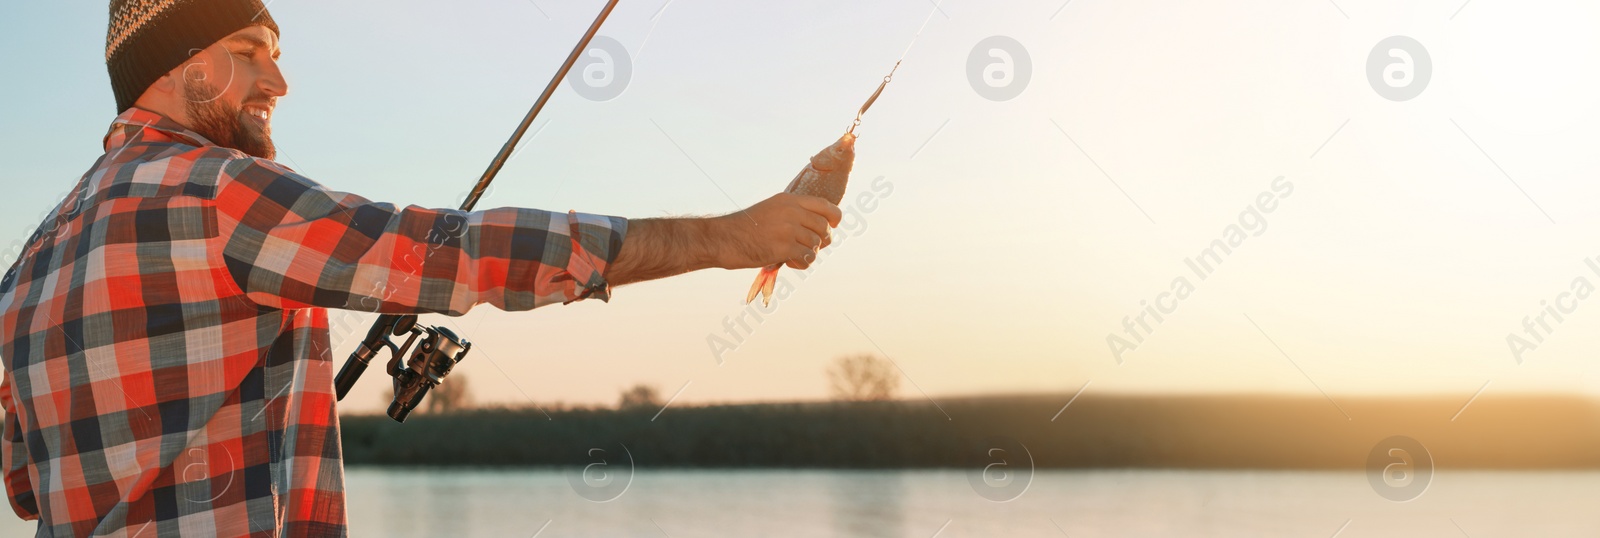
(258, 112)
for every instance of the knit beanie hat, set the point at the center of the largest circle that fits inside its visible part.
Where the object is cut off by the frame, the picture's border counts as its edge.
(149, 38)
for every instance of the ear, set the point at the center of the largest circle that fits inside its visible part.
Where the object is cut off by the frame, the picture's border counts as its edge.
(173, 82)
(165, 96)
(168, 83)
(170, 86)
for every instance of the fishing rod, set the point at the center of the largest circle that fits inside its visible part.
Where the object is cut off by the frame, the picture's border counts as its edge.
(441, 348)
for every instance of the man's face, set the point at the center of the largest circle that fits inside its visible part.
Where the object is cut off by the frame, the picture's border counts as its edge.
(231, 88)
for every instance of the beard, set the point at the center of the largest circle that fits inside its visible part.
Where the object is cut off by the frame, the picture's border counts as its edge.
(225, 124)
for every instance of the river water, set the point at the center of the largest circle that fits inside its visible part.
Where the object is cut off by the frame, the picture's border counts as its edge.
(928, 503)
(923, 503)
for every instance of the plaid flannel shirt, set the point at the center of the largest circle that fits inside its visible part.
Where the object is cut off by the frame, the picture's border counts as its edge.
(168, 370)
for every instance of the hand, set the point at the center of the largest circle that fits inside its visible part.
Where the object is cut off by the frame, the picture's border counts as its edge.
(787, 229)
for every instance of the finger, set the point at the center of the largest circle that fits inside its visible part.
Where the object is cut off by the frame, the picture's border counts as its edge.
(827, 239)
(815, 223)
(822, 207)
(808, 244)
(810, 240)
(803, 261)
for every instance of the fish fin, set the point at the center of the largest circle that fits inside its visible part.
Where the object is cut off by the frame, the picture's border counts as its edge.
(766, 291)
(763, 285)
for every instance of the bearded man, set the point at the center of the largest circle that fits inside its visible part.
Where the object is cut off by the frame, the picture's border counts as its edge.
(165, 330)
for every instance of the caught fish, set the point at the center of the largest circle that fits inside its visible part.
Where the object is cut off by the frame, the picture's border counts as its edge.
(829, 170)
(824, 177)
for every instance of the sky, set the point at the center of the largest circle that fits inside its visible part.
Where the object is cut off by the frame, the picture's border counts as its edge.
(1013, 223)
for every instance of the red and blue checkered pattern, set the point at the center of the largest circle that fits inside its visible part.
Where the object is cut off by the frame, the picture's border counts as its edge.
(168, 370)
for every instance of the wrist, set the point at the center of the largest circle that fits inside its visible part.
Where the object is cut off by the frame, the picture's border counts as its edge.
(717, 242)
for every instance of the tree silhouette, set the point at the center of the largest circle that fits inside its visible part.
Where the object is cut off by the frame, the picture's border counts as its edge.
(863, 377)
(450, 396)
(641, 396)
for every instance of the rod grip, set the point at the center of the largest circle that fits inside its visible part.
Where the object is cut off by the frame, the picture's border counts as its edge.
(352, 370)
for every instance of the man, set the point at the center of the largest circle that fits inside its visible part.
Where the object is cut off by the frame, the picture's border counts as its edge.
(165, 338)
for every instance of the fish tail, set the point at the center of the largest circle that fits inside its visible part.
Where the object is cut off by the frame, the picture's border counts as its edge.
(765, 281)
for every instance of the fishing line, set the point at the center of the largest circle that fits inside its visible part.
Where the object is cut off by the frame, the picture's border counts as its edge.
(890, 76)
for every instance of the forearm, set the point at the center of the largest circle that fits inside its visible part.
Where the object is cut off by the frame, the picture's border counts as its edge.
(664, 247)
(784, 229)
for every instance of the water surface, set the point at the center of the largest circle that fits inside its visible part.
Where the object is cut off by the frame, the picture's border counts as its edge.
(924, 503)
(919, 503)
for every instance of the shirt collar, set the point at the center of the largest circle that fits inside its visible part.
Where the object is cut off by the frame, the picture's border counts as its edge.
(147, 126)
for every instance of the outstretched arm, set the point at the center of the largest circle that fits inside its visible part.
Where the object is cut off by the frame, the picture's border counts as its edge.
(784, 229)
(288, 242)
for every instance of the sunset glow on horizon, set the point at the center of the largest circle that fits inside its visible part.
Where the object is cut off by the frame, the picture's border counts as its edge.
(1107, 227)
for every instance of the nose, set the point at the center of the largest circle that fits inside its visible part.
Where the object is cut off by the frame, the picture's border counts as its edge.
(272, 82)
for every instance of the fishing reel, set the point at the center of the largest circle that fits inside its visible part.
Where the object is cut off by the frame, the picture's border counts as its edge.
(439, 352)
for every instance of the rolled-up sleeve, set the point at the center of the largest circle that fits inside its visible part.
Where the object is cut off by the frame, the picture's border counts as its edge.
(288, 242)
